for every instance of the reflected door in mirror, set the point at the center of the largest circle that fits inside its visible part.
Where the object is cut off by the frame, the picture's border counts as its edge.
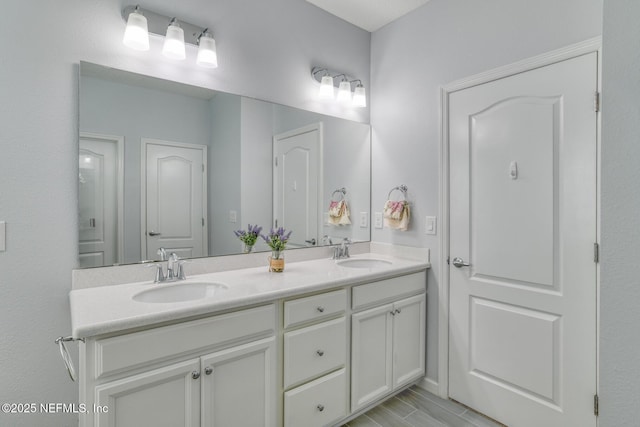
(296, 183)
(98, 180)
(174, 210)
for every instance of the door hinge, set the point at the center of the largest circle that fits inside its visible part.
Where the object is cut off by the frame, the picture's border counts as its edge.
(596, 405)
(276, 161)
(596, 253)
(596, 102)
(203, 222)
(448, 258)
(203, 168)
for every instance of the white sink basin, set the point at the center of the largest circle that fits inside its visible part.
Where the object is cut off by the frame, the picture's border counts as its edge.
(180, 292)
(363, 263)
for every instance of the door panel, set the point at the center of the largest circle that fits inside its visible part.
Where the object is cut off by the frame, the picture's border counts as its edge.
(175, 200)
(523, 215)
(296, 183)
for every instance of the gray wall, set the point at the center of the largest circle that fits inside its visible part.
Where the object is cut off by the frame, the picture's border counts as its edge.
(264, 52)
(619, 282)
(443, 41)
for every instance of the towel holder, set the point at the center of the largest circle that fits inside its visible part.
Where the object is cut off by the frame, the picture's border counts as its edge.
(342, 191)
(403, 188)
(68, 363)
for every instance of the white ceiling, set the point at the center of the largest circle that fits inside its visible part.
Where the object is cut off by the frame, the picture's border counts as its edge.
(368, 14)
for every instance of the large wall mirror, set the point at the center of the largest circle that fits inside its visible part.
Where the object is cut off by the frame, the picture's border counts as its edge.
(163, 164)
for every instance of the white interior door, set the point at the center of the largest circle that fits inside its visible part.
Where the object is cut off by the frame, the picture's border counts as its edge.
(523, 150)
(296, 183)
(99, 199)
(174, 209)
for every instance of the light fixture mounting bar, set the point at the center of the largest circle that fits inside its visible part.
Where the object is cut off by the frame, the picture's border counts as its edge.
(318, 72)
(158, 24)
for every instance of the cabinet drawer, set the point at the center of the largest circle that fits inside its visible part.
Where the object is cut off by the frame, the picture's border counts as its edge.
(389, 289)
(314, 307)
(132, 350)
(314, 350)
(318, 403)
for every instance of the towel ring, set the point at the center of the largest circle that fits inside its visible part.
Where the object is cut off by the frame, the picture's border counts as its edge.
(403, 188)
(342, 191)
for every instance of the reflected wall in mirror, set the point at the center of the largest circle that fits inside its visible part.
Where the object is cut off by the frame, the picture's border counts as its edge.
(163, 164)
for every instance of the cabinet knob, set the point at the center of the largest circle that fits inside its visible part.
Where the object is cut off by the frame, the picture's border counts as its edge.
(208, 370)
(320, 407)
(398, 311)
(320, 309)
(393, 313)
(320, 353)
(195, 375)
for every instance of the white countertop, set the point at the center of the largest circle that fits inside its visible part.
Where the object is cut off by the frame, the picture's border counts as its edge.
(107, 309)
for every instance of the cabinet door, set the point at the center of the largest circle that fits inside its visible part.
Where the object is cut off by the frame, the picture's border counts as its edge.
(238, 386)
(409, 339)
(371, 364)
(164, 397)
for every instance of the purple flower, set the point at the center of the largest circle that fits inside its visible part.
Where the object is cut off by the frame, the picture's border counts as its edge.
(277, 238)
(250, 236)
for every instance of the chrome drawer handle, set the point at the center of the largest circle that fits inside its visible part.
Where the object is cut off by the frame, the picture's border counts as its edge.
(320, 408)
(320, 353)
(320, 309)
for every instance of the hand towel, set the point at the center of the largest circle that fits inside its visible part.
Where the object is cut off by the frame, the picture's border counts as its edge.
(396, 214)
(339, 213)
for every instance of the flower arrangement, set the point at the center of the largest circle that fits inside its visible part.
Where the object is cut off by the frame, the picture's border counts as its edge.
(277, 240)
(249, 237)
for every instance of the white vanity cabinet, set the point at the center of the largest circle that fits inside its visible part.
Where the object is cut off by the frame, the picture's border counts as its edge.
(217, 371)
(315, 357)
(388, 333)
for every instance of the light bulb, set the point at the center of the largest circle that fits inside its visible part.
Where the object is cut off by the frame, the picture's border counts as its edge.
(326, 88)
(344, 92)
(174, 42)
(207, 54)
(359, 96)
(136, 35)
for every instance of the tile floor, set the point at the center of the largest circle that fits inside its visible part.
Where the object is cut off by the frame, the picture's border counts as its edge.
(416, 407)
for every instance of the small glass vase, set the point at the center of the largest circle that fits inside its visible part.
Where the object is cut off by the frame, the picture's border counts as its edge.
(276, 261)
(247, 249)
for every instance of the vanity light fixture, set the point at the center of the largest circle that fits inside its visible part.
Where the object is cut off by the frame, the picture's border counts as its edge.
(327, 80)
(359, 95)
(136, 35)
(141, 22)
(207, 54)
(173, 46)
(344, 91)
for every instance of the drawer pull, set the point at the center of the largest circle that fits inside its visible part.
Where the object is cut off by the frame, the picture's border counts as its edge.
(320, 309)
(320, 353)
(195, 375)
(393, 313)
(208, 370)
(320, 408)
(398, 311)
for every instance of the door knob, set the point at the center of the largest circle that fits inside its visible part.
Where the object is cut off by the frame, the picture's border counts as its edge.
(459, 262)
(154, 233)
(312, 242)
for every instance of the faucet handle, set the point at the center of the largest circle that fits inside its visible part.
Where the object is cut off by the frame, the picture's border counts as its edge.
(179, 274)
(159, 273)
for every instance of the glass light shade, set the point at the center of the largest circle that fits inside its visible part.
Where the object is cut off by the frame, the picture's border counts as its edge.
(326, 88)
(174, 42)
(344, 92)
(136, 35)
(207, 54)
(359, 97)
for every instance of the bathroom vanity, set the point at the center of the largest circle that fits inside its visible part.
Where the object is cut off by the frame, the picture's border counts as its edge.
(312, 346)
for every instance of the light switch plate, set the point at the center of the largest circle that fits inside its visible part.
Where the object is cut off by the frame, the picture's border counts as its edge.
(430, 225)
(3, 236)
(233, 216)
(364, 220)
(378, 219)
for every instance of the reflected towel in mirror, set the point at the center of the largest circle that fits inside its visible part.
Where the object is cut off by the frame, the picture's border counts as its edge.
(339, 213)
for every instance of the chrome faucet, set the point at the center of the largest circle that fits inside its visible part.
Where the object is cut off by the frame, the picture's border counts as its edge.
(342, 251)
(175, 268)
